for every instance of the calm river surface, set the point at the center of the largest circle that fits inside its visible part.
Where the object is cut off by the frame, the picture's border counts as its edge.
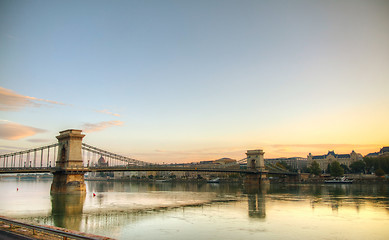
(125, 210)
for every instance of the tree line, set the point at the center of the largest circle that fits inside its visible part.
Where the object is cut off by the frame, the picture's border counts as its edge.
(377, 165)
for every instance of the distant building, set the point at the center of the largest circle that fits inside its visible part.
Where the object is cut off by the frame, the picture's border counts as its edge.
(375, 154)
(102, 163)
(206, 162)
(293, 162)
(324, 160)
(383, 152)
(224, 161)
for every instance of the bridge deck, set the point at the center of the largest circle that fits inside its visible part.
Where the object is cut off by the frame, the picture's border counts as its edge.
(137, 168)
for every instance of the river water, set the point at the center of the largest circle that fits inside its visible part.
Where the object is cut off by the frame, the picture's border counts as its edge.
(127, 210)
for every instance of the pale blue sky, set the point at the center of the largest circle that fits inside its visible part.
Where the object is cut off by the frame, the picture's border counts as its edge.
(197, 80)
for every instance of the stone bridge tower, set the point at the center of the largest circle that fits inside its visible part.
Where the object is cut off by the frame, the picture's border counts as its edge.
(69, 175)
(256, 162)
(255, 159)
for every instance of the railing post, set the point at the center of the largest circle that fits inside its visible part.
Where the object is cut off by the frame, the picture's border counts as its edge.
(35, 158)
(42, 157)
(48, 156)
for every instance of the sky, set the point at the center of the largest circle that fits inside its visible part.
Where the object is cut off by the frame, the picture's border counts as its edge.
(182, 81)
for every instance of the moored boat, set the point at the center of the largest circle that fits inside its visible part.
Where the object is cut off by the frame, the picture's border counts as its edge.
(343, 180)
(215, 180)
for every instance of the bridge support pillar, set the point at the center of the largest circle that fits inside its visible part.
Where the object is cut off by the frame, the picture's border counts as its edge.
(68, 183)
(256, 179)
(68, 176)
(256, 162)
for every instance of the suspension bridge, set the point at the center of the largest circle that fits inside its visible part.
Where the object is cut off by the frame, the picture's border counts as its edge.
(70, 158)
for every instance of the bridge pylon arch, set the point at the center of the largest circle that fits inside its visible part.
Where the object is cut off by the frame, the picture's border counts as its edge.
(256, 162)
(69, 174)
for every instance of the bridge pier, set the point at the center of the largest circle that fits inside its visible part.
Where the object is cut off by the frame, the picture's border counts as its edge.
(256, 179)
(256, 162)
(68, 183)
(68, 176)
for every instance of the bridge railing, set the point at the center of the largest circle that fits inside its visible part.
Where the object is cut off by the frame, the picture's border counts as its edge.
(43, 159)
(92, 154)
(274, 168)
(37, 157)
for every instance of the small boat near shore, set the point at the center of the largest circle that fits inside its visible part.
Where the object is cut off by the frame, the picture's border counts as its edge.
(162, 180)
(215, 180)
(343, 180)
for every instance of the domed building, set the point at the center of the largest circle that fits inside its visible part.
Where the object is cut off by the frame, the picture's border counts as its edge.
(102, 162)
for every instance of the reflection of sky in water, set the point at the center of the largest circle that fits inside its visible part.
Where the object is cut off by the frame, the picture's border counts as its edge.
(204, 211)
(113, 201)
(31, 198)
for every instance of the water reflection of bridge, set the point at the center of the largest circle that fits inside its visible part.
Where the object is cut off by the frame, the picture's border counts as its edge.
(257, 203)
(69, 211)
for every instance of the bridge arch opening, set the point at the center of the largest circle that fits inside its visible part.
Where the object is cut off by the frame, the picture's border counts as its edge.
(252, 163)
(61, 156)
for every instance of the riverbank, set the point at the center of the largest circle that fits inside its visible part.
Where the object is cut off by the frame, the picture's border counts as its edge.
(356, 178)
(305, 178)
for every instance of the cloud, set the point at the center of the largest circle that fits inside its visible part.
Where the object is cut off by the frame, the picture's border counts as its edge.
(37, 140)
(94, 127)
(8, 149)
(105, 111)
(16, 131)
(202, 151)
(11, 101)
(190, 155)
(319, 146)
(11, 148)
(11, 37)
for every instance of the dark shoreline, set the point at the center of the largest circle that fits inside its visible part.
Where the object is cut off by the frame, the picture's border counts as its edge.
(241, 181)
